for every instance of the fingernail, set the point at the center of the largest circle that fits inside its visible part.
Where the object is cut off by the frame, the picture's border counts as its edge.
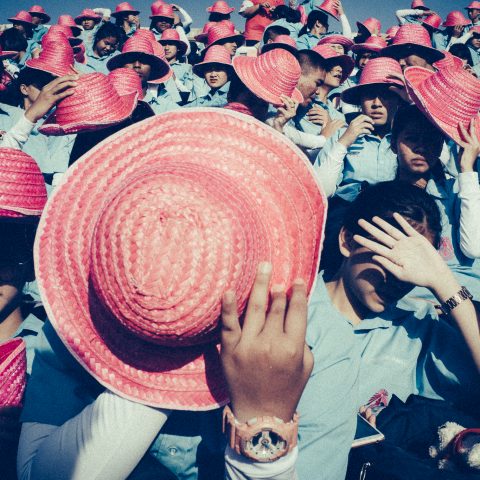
(264, 267)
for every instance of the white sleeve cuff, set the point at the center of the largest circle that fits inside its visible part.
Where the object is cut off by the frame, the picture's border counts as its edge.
(468, 183)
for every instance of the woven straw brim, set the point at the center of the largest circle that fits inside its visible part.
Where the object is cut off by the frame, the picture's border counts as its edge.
(344, 61)
(329, 14)
(394, 51)
(271, 46)
(162, 16)
(239, 39)
(235, 191)
(181, 46)
(46, 18)
(200, 68)
(120, 112)
(79, 20)
(226, 11)
(201, 37)
(363, 29)
(163, 79)
(352, 95)
(160, 68)
(7, 54)
(128, 12)
(243, 68)
(13, 372)
(19, 20)
(365, 47)
(52, 68)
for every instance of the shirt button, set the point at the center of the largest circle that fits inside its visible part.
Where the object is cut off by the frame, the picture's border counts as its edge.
(172, 451)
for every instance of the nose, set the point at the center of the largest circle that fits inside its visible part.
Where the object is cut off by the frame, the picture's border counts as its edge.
(377, 102)
(137, 64)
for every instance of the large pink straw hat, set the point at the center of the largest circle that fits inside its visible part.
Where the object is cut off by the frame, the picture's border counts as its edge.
(4, 54)
(448, 97)
(413, 38)
(375, 73)
(88, 14)
(68, 21)
(138, 47)
(346, 43)
(282, 41)
(203, 35)
(126, 81)
(475, 5)
(456, 18)
(13, 372)
(22, 187)
(419, 5)
(124, 8)
(392, 31)
(162, 10)
(22, 17)
(330, 8)
(220, 7)
(171, 36)
(222, 31)
(67, 31)
(132, 279)
(217, 55)
(331, 58)
(433, 21)
(370, 26)
(270, 75)
(371, 44)
(39, 12)
(449, 61)
(94, 105)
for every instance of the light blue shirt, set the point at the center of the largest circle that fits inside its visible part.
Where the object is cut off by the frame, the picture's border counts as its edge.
(475, 53)
(38, 32)
(214, 98)
(160, 100)
(307, 41)
(440, 40)
(183, 73)
(98, 64)
(88, 36)
(28, 331)
(304, 125)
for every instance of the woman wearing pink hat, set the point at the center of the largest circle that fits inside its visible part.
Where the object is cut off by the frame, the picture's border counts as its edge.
(105, 45)
(39, 17)
(473, 11)
(126, 17)
(415, 14)
(455, 25)
(219, 10)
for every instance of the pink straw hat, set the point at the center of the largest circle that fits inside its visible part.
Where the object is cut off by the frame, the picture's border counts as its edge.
(419, 5)
(375, 73)
(22, 187)
(217, 55)
(456, 18)
(448, 97)
(270, 75)
(203, 36)
(220, 7)
(13, 372)
(449, 61)
(224, 30)
(88, 14)
(22, 17)
(139, 47)
(329, 7)
(162, 10)
(346, 43)
(370, 26)
(132, 280)
(94, 105)
(126, 81)
(372, 44)
(475, 5)
(39, 12)
(124, 8)
(171, 36)
(415, 38)
(433, 21)
(475, 29)
(4, 54)
(68, 21)
(331, 58)
(392, 31)
(282, 41)
(67, 31)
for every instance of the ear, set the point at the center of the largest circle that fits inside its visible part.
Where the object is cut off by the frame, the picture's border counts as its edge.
(346, 243)
(24, 90)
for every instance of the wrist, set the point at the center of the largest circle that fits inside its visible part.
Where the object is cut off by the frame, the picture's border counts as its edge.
(346, 140)
(445, 286)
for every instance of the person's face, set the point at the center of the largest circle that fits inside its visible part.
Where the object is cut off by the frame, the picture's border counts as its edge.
(413, 60)
(171, 51)
(380, 105)
(163, 23)
(363, 58)
(88, 24)
(20, 27)
(333, 78)
(337, 47)
(309, 83)
(131, 18)
(36, 20)
(216, 76)
(321, 28)
(475, 41)
(231, 47)
(30, 92)
(473, 13)
(143, 70)
(106, 46)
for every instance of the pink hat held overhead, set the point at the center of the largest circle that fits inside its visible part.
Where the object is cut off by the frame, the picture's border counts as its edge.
(22, 187)
(171, 36)
(370, 26)
(13, 372)
(282, 41)
(68, 21)
(88, 14)
(39, 12)
(124, 8)
(94, 105)
(22, 17)
(159, 238)
(456, 18)
(371, 44)
(270, 75)
(162, 10)
(331, 58)
(220, 7)
(345, 42)
(216, 55)
(433, 21)
(419, 5)
(330, 7)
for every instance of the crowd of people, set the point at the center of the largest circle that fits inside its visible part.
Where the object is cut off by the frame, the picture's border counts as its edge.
(219, 253)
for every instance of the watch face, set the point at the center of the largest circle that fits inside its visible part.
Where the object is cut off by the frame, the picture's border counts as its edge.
(265, 446)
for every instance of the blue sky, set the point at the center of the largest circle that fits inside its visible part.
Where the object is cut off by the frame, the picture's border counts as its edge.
(355, 9)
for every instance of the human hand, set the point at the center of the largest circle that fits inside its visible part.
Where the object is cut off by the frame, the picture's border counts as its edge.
(362, 125)
(318, 115)
(400, 90)
(338, 5)
(266, 361)
(285, 112)
(368, 415)
(457, 31)
(331, 127)
(51, 94)
(469, 146)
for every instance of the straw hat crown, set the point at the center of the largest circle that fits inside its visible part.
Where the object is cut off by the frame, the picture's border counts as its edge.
(456, 18)
(339, 39)
(126, 81)
(220, 7)
(40, 11)
(124, 7)
(162, 10)
(475, 4)
(56, 57)
(419, 4)
(373, 25)
(413, 34)
(88, 14)
(218, 54)
(371, 44)
(433, 20)
(329, 6)
(22, 16)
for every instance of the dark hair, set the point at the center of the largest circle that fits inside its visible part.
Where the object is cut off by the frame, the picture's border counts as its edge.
(218, 17)
(386, 198)
(271, 33)
(461, 50)
(309, 60)
(110, 30)
(154, 22)
(38, 78)
(12, 40)
(289, 14)
(314, 17)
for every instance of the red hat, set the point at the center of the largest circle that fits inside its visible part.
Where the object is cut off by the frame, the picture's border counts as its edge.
(202, 37)
(449, 61)
(217, 55)
(475, 29)
(331, 58)
(94, 105)
(13, 372)
(329, 7)
(419, 5)
(375, 72)
(126, 81)
(432, 93)
(56, 57)
(372, 44)
(155, 4)
(270, 75)
(22, 187)
(282, 41)
(67, 31)
(88, 14)
(123, 8)
(39, 12)
(4, 54)
(138, 46)
(371, 26)
(433, 21)
(79, 53)
(22, 17)
(415, 38)
(171, 36)
(337, 39)
(162, 10)
(220, 7)
(456, 18)
(132, 279)
(475, 5)
(392, 31)
(222, 31)
(68, 21)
